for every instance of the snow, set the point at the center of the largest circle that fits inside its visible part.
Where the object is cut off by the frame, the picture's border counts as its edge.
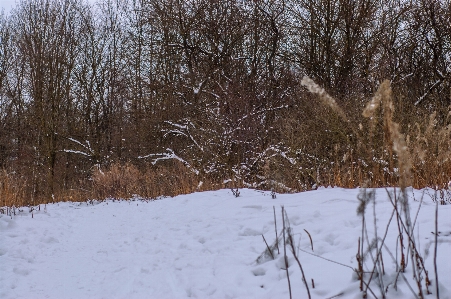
(206, 245)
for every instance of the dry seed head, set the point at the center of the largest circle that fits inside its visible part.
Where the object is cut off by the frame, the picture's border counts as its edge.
(345, 157)
(384, 95)
(324, 96)
(432, 123)
(399, 143)
(372, 106)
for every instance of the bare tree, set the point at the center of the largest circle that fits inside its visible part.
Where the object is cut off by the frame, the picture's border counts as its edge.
(46, 34)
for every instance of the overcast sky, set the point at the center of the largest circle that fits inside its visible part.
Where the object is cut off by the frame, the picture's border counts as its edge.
(7, 5)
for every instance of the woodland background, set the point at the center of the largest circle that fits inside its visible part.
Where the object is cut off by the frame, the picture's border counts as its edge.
(162, 97)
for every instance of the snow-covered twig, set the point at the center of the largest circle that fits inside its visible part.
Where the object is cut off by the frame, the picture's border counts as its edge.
(88, 151)
(420, 99)
(76, 152)
(183, 130)
(278, 151)
(260, 112)
(168, 156)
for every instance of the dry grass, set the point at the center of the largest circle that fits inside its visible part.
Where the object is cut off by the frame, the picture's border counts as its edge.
(12, 190)
(117, 181)
(370, 147)
(431, 145)
(396, 140)
(125, 181)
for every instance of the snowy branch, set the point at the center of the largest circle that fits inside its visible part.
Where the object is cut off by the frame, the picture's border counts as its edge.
(76, 152)
(277, 151)
(186, 132)
(168, 156)
(261, 111)
(89, 152)
(427, 92)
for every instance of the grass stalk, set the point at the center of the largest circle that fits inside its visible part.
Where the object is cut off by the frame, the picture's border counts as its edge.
(310, 237)
(437, 294)
(285, 252)
(275, 227)
(267, 246)
(291, 241)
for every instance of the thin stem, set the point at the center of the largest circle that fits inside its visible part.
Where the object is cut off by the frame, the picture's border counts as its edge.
(285, 252)
(290, 238)
(435, 251)
(267, 246)
(275, 227)
(311, 241)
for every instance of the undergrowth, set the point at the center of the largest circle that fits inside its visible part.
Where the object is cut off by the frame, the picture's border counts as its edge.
(328, 144)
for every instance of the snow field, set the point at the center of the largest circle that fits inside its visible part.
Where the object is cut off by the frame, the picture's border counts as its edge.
(205, 245)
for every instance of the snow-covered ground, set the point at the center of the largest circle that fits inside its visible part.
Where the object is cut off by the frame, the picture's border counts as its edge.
(206, 245)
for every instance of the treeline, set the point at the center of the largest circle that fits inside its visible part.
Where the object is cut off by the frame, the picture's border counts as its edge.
(103, 99)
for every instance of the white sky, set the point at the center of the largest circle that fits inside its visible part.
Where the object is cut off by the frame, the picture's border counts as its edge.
(6, 5)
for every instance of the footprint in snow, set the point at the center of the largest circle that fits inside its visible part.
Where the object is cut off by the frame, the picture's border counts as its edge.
(253, 207)
(49, 240)
(330, 238)
(3, 251)
(296, 220)
(23, 272)
(259, 271)
(250, 232)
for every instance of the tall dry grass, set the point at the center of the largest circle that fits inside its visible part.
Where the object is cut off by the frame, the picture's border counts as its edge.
(395, 138)
(13, 191)
(126, 181)
(431, 144)
(381, 143)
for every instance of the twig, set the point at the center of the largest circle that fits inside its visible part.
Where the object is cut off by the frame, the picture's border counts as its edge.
(335, 296)
(403, 263)
(359, 271)
(368, 287)
(270, 251)
(400, 273)
(379, 254)
(411, 289)
(311, 241)
(370, 245)
(327, 259)
(416, 257)
(360, 255)
(418, 211)
(290, 238)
